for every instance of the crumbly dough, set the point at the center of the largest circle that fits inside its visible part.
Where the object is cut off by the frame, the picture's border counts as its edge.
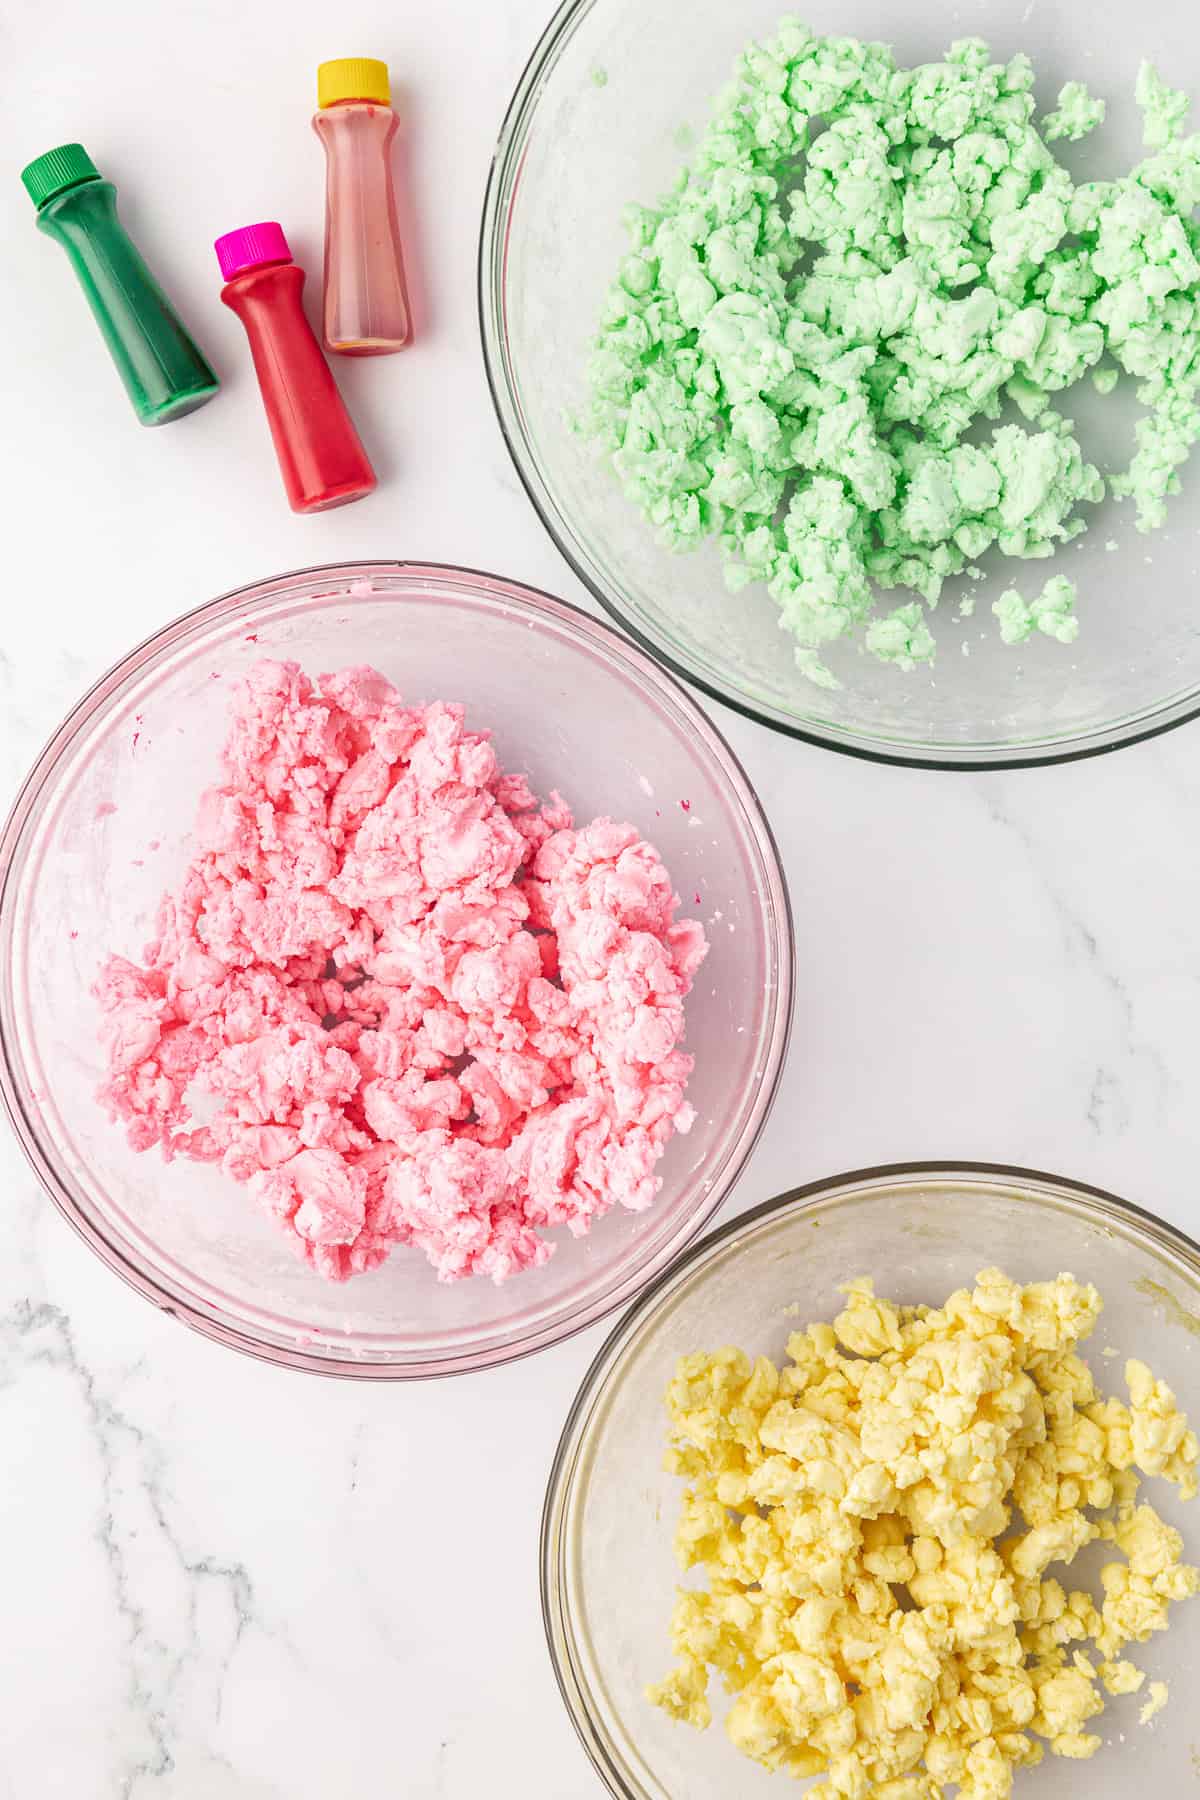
(1076, 114)
(401, 1000)
(862, 263)
(1051, 612)
(877, 1523)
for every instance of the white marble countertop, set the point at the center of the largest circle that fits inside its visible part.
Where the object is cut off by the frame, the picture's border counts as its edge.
(223, 1582)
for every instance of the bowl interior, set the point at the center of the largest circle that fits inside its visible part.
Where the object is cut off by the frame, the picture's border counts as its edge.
(614, 97)
(107, 830)
(610, 1569)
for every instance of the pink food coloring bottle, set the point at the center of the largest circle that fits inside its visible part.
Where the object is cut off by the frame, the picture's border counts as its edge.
(366, 310)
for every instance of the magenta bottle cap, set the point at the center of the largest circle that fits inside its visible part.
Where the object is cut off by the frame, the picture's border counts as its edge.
(249, 246)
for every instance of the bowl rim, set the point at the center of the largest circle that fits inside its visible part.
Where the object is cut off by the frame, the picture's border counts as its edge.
(504, 173)
(828, 1192)
(776, 905)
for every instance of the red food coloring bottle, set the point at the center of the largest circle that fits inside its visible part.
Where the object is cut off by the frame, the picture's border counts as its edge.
(321, 457)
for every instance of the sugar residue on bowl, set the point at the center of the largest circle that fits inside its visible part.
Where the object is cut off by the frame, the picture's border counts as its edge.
(1171, 1308)
(400, 999)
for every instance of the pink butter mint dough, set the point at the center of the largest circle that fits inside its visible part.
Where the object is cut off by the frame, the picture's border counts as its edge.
(402, 1001)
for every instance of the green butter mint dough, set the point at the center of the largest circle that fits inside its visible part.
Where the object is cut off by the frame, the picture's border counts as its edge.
(1052, 612)
(809, 348)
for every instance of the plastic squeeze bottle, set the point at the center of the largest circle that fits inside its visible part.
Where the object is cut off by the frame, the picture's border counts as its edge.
(366, 300)
(320, 456)
(164, 373)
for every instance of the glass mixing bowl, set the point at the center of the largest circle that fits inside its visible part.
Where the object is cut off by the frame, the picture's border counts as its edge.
(608, 1569)
(614, 93)
(101, 829)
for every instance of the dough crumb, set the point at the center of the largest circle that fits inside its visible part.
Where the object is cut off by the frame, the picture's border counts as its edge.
(1076, 114)
(1052, 612)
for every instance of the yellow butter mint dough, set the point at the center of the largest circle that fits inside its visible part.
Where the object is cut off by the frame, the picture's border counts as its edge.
(885, 1526)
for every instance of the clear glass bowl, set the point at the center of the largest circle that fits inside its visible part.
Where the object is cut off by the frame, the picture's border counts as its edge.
(613, 94)
(101, 829)
(608, 1569)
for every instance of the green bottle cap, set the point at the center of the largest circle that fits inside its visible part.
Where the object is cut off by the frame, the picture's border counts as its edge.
(58, 169)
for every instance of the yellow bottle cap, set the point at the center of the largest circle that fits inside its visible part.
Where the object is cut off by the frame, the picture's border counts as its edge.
(353, 78)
